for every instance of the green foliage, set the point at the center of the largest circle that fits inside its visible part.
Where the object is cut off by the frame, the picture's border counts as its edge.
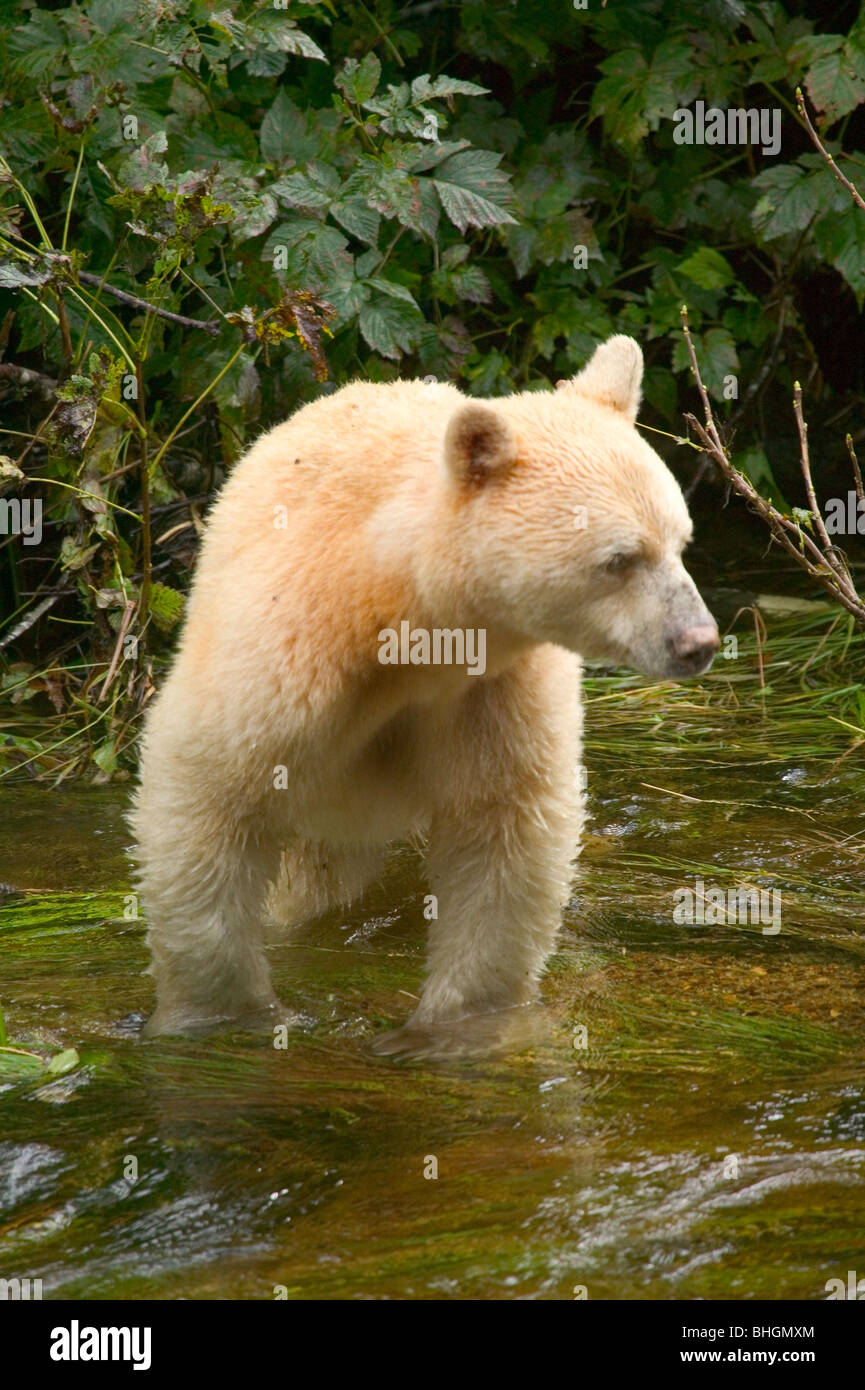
(17, 1064)
(308, 193)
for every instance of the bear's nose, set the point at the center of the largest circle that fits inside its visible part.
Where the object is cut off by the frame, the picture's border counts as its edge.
(695, 646)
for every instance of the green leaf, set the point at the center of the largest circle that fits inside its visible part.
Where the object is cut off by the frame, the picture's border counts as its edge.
(473, 189)
(841, 239)
(14, 274)
(358, 219)
(266, 62)
(296, 41)
(794, 194)
(347, 294)
(389, 328)
(74, 556)
(326, 251)
(255, 219)
(455, 283)
(634, 96)
(63, 1062)
(836, 81)
(707, 268)
(466, 209)
(430, 208)
(422, 89)
(105, 756)
(430, 155)
(166, 606)
(785, 204)
(141, 169)
(359, 80)
(108, 15)
(395, 291)
(396, 99)
(618, 97)
(285, 134)
(471, 284)
(671, 81)
(564, 320)
(316, 188)
(388, 188)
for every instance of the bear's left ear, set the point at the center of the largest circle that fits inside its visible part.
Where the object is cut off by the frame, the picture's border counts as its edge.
(613, 376)
(479, 444)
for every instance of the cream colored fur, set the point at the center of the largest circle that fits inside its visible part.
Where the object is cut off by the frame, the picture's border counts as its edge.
(379, 504)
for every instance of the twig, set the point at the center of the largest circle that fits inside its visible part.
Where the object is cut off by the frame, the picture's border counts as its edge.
(802, 427)
(25, 376)
(37, 437)
(32, 617)
(818, 144)
(828, 566)
(854, 463)
(124, 627)
(760, 636)
(132, 299)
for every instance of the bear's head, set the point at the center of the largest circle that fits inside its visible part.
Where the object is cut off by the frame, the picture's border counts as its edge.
(569, 528)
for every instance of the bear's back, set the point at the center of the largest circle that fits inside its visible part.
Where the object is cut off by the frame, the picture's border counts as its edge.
(352, 448)
(290, 518)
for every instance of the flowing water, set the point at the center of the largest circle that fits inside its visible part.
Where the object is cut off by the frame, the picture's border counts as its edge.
(685, 1119)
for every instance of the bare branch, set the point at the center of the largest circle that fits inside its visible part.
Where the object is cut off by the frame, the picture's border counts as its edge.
(124, 628)
(827, 565)
(818, 144)
(805, 458)
(25, 376)
(854, 463)
(132, 299)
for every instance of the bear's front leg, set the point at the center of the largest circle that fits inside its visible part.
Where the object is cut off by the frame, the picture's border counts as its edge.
(204, 870)
(501, 843)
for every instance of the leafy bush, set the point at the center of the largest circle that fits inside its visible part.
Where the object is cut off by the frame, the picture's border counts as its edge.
(209, 215)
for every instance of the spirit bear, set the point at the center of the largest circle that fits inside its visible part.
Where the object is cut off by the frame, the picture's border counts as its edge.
(323, 704)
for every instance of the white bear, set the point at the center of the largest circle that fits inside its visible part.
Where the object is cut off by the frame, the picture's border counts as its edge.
(534, 530)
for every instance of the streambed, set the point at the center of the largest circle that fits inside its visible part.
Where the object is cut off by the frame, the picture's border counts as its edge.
(685, 1120)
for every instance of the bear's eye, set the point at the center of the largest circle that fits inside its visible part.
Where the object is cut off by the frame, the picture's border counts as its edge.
(622, 561)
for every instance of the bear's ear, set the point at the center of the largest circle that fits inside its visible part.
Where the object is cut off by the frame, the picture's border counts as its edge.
(479, 444)
(613, 375)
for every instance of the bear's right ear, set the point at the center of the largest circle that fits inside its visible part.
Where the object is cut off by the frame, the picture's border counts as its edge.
(613, 376)
(479, 444)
